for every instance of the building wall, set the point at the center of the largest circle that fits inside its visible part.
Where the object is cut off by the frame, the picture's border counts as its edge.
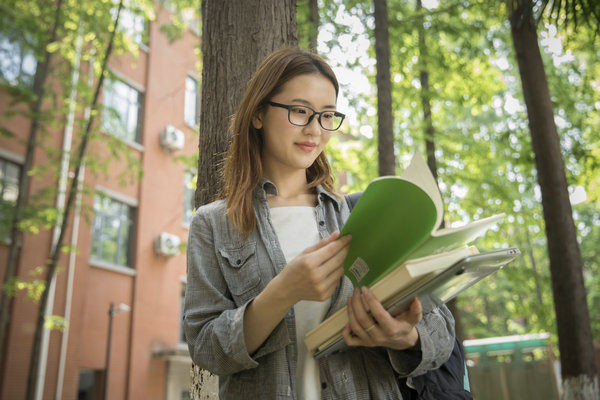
(152, 288)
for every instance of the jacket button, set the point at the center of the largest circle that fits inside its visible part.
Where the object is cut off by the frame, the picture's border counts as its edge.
(238, 262)
(321, 223)
(323, 385)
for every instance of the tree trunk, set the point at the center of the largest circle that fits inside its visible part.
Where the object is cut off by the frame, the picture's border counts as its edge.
(579, 375)
(385, 118)
(313, 8)
(426, 97)
(236, 37)
(41, 75)
(56, 251)
(430, 143)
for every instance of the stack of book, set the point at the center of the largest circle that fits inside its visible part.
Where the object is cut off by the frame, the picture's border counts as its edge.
(399, 251)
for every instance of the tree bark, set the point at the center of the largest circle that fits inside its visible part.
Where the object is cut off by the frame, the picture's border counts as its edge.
(430, 143)
(313, 7)
(385, 118)
(39, 84)
(426, 97)
(236, 37)
(579, 373)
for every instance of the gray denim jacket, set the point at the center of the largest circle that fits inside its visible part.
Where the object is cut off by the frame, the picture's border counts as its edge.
(225, 273)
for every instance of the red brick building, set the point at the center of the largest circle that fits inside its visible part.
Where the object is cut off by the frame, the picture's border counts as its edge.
(123, 248)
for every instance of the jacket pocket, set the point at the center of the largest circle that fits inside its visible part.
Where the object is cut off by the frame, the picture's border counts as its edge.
(240, 268)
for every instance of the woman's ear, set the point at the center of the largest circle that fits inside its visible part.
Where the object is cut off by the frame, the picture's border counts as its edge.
(257, 120)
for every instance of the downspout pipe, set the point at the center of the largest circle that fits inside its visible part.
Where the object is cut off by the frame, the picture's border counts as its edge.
(60, 203)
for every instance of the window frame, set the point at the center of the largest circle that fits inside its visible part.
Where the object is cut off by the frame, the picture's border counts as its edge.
(106, 125)
(188, 196)
(131, 211)
(7, 160)
(24, 53)
(188, 96)
(140, 37)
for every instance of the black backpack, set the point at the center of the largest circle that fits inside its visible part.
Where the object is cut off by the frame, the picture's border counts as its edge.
(444, 383)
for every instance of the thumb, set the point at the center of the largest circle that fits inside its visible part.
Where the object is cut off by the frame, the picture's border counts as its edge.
(322, 243)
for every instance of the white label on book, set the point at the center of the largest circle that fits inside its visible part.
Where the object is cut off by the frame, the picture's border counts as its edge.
(359, 269)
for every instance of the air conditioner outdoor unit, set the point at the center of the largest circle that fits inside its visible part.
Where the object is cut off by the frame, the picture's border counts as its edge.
(167, 244)
(172, 139)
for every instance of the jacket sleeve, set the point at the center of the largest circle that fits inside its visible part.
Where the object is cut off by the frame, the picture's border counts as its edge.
(213, 323)
(436, 337)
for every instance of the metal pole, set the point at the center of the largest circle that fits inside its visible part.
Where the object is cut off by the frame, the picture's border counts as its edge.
(110, 316)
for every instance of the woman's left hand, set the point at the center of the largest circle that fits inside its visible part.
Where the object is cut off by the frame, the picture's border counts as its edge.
(379, 328)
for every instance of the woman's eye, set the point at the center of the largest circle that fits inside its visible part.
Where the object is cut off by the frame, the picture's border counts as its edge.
(328, 115)
(299, 110)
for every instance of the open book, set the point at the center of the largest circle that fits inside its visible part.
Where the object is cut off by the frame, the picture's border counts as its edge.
(433, 289)
(396, 240)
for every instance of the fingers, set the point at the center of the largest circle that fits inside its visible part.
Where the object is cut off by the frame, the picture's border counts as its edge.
(335, 251)
(414, 314)
(322, 243)
(362, 325)
(369, 323)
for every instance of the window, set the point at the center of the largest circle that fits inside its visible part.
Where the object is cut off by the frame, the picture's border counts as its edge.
(112, 231)
(90, 384)
(181, 307)
(122, 110)
(9, 191)
(192, 102)
(17, 63)
(133, 25)
(189, 191)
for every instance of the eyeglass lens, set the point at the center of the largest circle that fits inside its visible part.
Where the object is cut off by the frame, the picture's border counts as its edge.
(301, 116)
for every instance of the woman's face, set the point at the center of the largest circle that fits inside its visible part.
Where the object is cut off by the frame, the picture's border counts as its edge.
(287, 147)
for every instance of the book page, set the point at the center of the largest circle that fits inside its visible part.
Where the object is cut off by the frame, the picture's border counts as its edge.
(450, 238)
(418, 172)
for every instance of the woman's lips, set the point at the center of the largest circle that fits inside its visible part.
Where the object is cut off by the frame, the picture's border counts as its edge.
(307, 146)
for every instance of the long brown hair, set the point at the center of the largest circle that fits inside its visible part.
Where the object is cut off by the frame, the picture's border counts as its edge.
(243, 164)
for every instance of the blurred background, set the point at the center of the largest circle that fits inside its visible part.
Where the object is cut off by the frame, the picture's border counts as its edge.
(107, 122)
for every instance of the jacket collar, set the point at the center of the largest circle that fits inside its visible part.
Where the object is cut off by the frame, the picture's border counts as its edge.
(265, 187)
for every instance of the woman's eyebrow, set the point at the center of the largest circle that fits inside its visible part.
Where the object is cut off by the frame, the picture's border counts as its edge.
(308, 103)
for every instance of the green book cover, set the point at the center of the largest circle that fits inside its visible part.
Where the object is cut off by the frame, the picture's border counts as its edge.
(397, 219)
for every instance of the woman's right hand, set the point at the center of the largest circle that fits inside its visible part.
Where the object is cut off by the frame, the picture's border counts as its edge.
(314, 273)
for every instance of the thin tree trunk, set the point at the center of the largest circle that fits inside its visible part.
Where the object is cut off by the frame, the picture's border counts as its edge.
(385, 118)
(56, 251)
(430, 143)
(536, 274)
(313, 7)
(39, 84)
(236, 37)
(579, 375)
(426, 97)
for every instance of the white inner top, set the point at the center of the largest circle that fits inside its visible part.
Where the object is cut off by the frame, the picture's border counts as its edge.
(297, 229)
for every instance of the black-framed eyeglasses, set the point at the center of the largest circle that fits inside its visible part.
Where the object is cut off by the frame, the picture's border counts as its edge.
(303, 115)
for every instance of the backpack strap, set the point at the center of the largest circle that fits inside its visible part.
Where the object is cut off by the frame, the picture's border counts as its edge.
(352, 199)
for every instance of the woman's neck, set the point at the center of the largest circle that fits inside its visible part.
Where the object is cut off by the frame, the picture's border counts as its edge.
(292, 190)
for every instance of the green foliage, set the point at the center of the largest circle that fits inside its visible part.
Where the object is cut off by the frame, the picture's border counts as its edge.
(186, 14)
(55, 322)
(483, 147)
(33, 287)
(306, 26)
(85, 25)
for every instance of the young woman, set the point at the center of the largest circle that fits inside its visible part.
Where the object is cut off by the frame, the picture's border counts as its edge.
(265, 262)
